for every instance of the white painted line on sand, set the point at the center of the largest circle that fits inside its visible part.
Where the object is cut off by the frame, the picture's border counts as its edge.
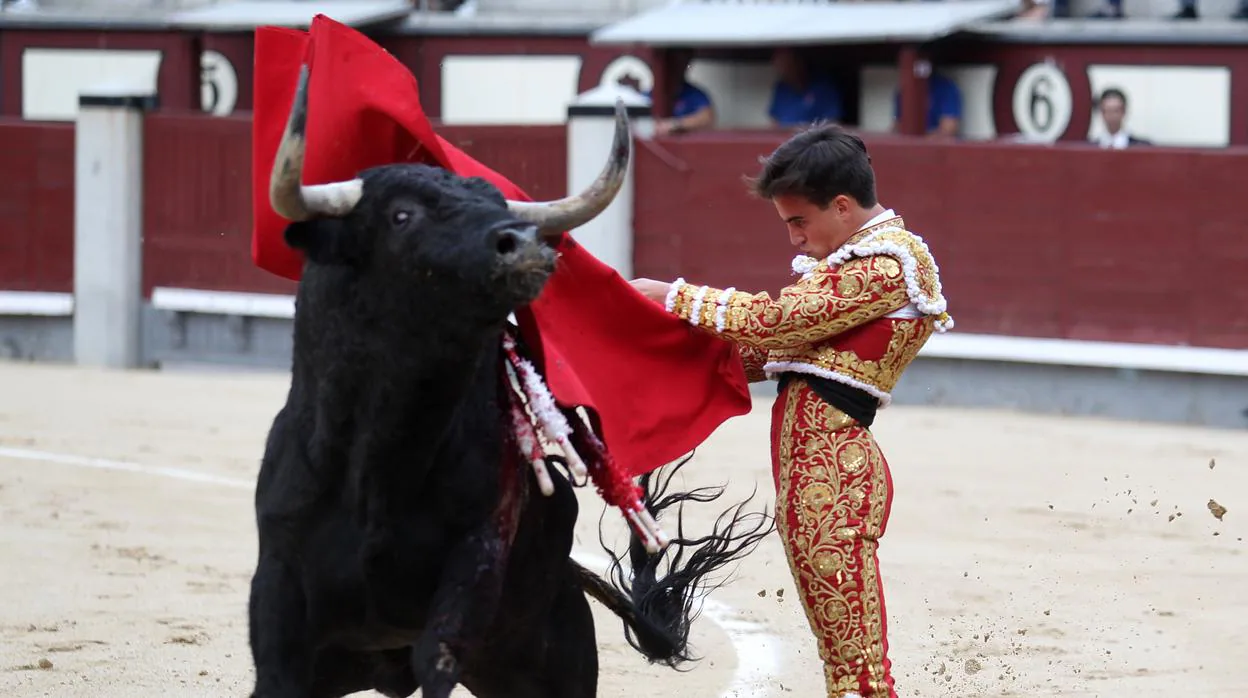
(757, 650)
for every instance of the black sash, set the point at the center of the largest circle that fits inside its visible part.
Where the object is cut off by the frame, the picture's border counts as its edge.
(858, 404)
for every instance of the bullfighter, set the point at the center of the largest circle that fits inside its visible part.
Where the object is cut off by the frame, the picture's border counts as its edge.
(837, 341)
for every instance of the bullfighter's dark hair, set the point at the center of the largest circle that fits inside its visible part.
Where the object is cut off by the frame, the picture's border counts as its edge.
(819, 163)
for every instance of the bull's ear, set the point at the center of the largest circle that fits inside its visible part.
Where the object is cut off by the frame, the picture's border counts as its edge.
(324, 241)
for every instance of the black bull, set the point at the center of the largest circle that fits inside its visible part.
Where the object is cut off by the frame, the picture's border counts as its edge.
(402, 543)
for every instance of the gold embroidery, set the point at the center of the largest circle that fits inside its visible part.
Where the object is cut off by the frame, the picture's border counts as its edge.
(806, 327)
(753, 358)
(849, 286)
(806, 312)
(890, 267)
(907, 339)
(832, 505)
(925, 267)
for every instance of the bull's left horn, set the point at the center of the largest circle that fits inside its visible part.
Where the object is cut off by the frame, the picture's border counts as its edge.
(554, 217)
(287, 193)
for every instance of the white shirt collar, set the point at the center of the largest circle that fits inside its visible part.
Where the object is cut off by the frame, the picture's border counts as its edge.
(885, 215)
(1116, 141)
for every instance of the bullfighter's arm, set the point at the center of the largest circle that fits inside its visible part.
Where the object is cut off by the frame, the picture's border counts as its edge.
(825, 304)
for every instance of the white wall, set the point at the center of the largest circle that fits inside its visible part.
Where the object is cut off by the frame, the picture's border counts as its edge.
(528, 90)
(53, 78)
(1170, 105)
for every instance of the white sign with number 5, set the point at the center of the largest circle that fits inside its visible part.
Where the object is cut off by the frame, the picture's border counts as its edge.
(1043, 103)
(218, 83)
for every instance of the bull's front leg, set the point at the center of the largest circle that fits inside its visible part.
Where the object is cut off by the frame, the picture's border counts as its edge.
(463, 607)
(278, 632)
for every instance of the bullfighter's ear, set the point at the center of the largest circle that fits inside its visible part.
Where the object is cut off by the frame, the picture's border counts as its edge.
(324, 241)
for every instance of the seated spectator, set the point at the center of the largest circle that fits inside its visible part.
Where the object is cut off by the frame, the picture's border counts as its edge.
(800, 98)
(1112, 105)
(692, 109)
(1187, 10)
(944, 107)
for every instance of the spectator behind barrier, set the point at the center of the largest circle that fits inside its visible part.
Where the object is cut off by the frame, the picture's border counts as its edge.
(1112, 106)
(800, 97)
(692, 109)
(944, 107)
(1187, 10)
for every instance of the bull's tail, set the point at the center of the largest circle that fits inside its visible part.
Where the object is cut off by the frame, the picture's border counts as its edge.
(658, 609)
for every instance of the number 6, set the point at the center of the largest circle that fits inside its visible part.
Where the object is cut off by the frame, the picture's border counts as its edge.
(1042, 102)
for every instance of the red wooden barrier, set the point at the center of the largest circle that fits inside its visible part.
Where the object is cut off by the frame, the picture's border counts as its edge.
(197, 205)
(36, 206)
(534, 157)
(197, 212)
(1143, 245)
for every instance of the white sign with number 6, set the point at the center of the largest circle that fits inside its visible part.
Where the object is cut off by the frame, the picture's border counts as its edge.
(1043, 103)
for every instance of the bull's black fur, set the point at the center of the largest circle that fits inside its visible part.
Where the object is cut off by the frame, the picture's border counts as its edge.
(381, 564)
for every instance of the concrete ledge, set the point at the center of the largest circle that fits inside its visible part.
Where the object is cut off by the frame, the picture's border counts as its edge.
(954, 345)
(1143, 396)
(1070, 352)
(185, 300)
(36, 303)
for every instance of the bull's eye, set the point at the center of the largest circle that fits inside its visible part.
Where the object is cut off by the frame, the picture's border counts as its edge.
(401, 217)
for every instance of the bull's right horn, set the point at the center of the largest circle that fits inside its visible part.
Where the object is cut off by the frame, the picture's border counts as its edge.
(287, 193)
(555, 217)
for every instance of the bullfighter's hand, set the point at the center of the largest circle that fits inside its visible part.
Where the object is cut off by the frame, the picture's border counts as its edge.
(654, 290)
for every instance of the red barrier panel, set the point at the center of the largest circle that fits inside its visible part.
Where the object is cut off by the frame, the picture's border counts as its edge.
(197, 205)
(197, 197)
(1072, 242)
(1144, 245)
(534, 157)
(36, 206)
(197, 209)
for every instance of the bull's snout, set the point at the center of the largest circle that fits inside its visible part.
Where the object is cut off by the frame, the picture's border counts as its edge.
(510, 239)
(523, 261)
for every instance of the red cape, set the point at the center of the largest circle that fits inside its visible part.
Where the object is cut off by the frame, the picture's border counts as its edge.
(657, 387)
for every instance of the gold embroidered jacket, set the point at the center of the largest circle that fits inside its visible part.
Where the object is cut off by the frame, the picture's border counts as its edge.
(858, 317)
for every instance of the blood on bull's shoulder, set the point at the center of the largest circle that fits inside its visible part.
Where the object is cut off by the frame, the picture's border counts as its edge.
(403, 541)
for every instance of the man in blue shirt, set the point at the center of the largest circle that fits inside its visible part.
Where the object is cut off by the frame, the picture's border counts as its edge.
(692, 109)
(944, 107)
(799, 98)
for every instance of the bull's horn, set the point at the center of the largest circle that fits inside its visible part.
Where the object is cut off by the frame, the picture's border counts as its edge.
(287, 193)
(554, 217)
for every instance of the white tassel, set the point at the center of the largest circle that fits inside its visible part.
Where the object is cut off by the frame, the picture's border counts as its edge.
(803, 264)
(721, 312)
(672, 290)
(527, 439)
(542, 403)
(695, 310)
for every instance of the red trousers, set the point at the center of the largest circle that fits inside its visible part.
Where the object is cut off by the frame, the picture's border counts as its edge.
(833, 495)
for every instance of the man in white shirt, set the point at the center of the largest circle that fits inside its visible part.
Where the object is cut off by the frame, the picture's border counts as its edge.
(1113, 108)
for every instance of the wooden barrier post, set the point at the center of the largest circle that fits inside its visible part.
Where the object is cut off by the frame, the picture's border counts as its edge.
(591, 128)
(108, 227)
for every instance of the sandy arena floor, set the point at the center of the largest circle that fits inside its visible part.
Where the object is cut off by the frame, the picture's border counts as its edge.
(1026, 556)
